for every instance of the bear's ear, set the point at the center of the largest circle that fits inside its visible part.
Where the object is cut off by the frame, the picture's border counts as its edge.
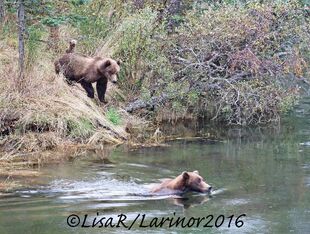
(196, 172)
(185, 175)
(119, 62)
(106, 63)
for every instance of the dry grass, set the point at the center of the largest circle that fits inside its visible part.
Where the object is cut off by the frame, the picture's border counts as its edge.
(49, 113)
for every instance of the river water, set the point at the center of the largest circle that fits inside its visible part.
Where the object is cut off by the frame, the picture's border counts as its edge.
(261, 181)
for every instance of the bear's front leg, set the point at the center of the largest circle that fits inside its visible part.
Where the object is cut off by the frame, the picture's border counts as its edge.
(101, 87)
(89, 88)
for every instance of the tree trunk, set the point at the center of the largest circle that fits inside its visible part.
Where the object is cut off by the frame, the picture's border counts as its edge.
(150, 104)
(2, 11)
(21, 39)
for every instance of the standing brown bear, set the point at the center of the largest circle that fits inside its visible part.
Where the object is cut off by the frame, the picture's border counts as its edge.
(87, 70)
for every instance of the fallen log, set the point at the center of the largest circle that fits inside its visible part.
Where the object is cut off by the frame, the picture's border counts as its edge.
(149, 104)
(156, 101)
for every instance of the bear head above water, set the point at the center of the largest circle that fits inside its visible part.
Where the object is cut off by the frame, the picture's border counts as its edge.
(187, 181)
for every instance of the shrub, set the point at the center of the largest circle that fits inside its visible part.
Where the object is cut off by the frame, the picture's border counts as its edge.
(139, 42)
(238, 61)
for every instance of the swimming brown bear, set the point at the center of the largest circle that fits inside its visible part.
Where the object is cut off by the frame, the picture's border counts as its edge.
(187, 181)
(87, 70)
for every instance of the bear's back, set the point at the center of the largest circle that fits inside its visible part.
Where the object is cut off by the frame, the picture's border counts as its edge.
(75, 66)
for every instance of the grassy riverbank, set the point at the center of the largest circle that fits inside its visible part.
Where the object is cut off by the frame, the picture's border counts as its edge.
(239, 64)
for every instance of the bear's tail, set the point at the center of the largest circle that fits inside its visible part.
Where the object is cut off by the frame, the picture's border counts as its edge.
(71, 48)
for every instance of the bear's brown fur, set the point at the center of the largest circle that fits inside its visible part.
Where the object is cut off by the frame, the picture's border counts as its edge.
(187, 181)
(87, 70)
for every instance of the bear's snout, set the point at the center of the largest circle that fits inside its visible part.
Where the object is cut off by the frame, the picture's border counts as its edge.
(206, 188)
(113, 78)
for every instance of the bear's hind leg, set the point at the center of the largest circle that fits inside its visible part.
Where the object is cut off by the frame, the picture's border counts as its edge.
(101, 89)
(89, 88)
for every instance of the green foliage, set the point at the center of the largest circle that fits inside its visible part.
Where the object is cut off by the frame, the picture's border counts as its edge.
(53, 21)
(33, 45)
(177, 106)
(288, 102)
(8, 29)
(193, 97)
(91, 23)
(80, 128)
(79, 2)
(135, 33)
(236, 58)
(113, 116)
(140, 41)
(145, 94)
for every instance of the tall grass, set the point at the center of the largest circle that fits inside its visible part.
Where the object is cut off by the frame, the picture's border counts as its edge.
(48, 112)
(33, 46)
